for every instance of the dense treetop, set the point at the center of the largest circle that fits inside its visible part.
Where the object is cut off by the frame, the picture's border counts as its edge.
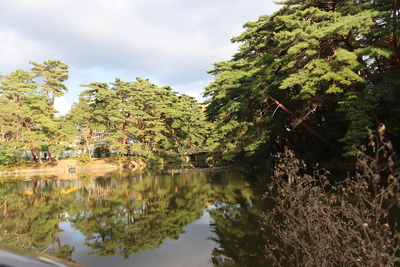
(312, 76)
(124, 118)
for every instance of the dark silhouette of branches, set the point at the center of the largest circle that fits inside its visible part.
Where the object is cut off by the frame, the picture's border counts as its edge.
(319, 223)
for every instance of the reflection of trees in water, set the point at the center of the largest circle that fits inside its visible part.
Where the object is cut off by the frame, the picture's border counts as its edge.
(124, 215)
(139, 216)
(118, 216)
(236, 214)
(31, 215)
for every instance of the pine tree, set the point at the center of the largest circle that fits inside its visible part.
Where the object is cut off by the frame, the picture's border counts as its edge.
(53, 74)
(28, 120)
(309, 71)
(138, 117)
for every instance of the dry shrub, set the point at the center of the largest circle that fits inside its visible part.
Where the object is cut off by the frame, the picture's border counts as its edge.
(318, 223)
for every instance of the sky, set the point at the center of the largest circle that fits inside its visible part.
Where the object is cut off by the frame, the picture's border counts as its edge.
(169, 42)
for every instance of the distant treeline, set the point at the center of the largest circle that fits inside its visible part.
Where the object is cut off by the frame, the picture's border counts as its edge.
(314, 76)
(127, 118)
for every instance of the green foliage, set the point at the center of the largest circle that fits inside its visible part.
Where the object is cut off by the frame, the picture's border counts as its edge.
(28, 121)
(102, 151)
(84, 159)
(310, 72)
(356, 112)
(53, 74)
(139, 118)
(131, 117)
(6, 159)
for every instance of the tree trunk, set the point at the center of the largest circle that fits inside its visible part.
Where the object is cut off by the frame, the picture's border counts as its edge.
(307, 128)
(34, 150)
(36, 155)
(88, 137)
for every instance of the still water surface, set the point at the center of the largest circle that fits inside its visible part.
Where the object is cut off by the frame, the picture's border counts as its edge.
(139, 219)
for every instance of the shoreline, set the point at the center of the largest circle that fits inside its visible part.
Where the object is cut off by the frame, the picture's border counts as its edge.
(68, 168)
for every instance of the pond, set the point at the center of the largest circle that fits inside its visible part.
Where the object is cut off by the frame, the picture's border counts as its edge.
(139, 219)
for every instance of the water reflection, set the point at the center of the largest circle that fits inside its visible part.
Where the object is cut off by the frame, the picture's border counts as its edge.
(237, 213)
(128, 214)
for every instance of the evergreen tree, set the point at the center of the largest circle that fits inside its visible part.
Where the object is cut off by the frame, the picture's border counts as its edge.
(139, 117)
(53, 131)
(53, 74)
(309, 71)
(28, 119)
(23, 106)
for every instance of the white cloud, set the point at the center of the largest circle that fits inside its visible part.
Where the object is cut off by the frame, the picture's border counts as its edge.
(61, 105)
(171, 41)
(196, 95)
(15, 48)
